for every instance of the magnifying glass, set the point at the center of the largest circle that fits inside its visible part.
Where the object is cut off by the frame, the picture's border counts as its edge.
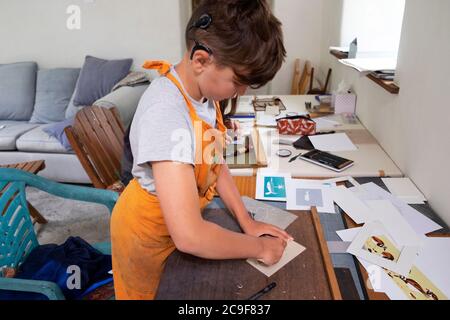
(284, 153)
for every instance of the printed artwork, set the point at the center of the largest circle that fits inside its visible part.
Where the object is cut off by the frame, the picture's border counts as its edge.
(274, 187)
(416, 286)
(309, 197)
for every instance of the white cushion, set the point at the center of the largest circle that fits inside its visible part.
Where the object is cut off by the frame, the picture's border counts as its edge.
(37, 140)
(10, 131)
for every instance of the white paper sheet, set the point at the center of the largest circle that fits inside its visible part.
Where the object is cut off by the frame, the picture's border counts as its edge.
(347, 201)
(420, 223)
(399, 229)
(404, 262)
(404, 188)
(367, 65)
(348, 235)
(293, 249)
(434, 262)
(304, 194)
(333, 142)
(269, 214)
(271, 186)
(325, 124)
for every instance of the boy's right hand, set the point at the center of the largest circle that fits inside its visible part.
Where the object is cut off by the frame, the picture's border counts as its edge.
(273, 249)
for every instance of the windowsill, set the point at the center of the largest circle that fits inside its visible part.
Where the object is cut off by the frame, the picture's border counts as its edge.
(389, 86)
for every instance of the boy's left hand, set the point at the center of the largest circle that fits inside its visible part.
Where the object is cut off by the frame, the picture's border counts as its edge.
(258, 229)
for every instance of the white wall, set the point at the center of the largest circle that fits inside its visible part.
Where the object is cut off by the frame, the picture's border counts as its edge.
(141, 29)
(412, 126)
(302, 29)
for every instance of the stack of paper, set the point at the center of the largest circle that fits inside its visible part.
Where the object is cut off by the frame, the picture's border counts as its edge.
(420, 223)
(428, 278)
(392, 244)
(368, 65)
(386, 239)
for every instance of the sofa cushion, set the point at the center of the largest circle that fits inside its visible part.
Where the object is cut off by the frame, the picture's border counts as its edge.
(98, 77)
(57, 130)
(17, 90)
(72, 109)
(10, 131)
(54, 88)
(37, 140)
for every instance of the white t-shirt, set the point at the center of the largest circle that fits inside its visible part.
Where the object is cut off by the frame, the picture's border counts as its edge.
(162, 129)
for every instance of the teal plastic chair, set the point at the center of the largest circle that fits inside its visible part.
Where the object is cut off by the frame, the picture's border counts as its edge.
(17, 235)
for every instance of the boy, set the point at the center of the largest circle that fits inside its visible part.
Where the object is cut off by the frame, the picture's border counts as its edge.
(176, 138)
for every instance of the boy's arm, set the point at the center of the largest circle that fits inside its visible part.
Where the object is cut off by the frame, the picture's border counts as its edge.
(229, 194)
(177, 192)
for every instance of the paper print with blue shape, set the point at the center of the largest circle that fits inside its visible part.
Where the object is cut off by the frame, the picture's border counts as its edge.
(274, 187)
(271, 186)
(309, 197)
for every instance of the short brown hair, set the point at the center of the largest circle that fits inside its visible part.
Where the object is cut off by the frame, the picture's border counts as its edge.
(243, 35)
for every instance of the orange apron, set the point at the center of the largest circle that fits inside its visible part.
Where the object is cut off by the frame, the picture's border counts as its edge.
(140, 240)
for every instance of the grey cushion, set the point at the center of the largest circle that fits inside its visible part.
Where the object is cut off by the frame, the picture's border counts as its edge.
(98, 77)
(37, 140)
(10, 131)
(125, 99)
(72, 109)
(17, 90)
(54, 89)
(57, 130)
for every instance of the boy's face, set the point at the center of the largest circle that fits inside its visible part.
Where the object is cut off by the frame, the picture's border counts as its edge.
(219, 83)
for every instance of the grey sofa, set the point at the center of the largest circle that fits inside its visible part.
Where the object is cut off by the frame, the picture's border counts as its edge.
(22, 137)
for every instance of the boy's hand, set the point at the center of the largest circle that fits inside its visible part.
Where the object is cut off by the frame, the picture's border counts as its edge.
(273, 249)
(235, 127)
(258, 229)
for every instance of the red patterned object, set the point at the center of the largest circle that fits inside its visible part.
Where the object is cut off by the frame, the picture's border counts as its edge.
(298, 125)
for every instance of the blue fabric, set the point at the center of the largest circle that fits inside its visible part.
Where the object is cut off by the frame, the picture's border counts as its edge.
(50, 263)
(17, 90)
(98, 77)
(54, 89)
(57, 130)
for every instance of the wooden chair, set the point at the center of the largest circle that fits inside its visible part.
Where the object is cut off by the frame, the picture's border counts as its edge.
(324, 88)
(97, 139)
(296, 77)
(18, 237)
(306, 79)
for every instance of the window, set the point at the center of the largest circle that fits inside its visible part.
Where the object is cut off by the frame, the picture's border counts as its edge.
(376, 24)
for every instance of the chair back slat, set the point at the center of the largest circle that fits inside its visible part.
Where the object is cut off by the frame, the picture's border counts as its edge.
(8, 195)
(17, 235)
(99, 133)
(305, 79)
(94, 145)
(3, 185)
(105, 133)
